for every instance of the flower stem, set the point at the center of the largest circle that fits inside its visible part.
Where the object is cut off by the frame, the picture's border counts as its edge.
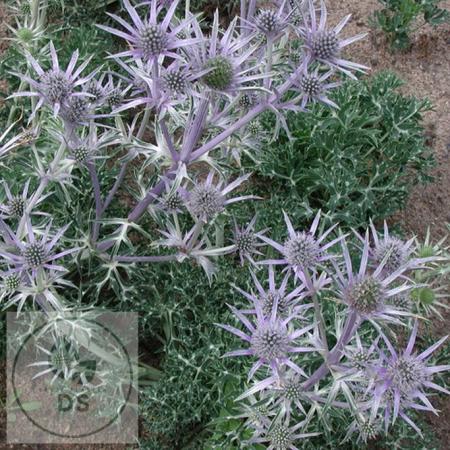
(335, 355)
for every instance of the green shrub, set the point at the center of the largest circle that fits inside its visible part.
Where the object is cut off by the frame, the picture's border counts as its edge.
(398, 17)
(355, 163)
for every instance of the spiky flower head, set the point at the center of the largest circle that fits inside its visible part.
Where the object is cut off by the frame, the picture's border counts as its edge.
(394, 250)
(402, 301)
(81, 153)
(175, 81)
(360, 359)
(76, 110)
(56, 86)
(152, 41)
(114, 98)
(280, 437)
(302, 250)
(323, 44)
(247, 100)
(292, 389)
(25, 7)
(151, 38)
(220, 75)
(34, 254)
(366, 295)
(310, 84)
(255, 128)
(12, 282)
(368, 430)
(245, 241)
(206, 201)
(270, 299)
(95, 89)
(267, 21)
(173, 202)
(270, 341)
(407, 374)
(401, 380)
(16, 206)
(369, 291)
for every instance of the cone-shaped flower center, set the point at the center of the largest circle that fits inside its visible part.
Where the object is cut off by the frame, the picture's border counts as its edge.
(325, 45)
(302, 250)
(311, 85)
(16, 206)
(366, 295)
(407, 374)
(12, 282)
(280, 437)
(153, 41)
(34, 254)
(220, 77)
(206, 201)
(270, 341)
(56, 86)
(394, 250)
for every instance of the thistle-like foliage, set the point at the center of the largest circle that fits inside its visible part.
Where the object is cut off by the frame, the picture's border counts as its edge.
(55, 87)
(150, 38)
(402, 379)
(206, 199)
(323, 43)
(303, 250)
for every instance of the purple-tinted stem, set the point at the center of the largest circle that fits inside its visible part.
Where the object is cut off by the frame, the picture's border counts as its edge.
(98, 200)
(251, 10)
(195, 130)
(115, 187)
(335, 355)
(169, 140)
(189, 157)
(155, 192)
(247, 118)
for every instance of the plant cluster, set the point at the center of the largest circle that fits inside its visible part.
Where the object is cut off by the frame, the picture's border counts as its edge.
(357, 162)
(398, 18)
(123, 185)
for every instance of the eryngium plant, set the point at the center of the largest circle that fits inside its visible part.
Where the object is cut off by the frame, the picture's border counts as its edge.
(373, 379)
(185, 88)
(175, 108)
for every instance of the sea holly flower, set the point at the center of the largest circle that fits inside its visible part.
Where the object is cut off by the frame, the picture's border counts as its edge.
(191, 245)
(15, 205)
(323, 43)
(279, 297)
(281, 436)
(150, 38)
(206, 199)
(55, 86)
(35, 253)
(246, 241)
(271, 339)
(403, 379)
(368, 291)
(225, 58)
(271, 23)
(312, 88)
(24, 138)
(303, 250)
